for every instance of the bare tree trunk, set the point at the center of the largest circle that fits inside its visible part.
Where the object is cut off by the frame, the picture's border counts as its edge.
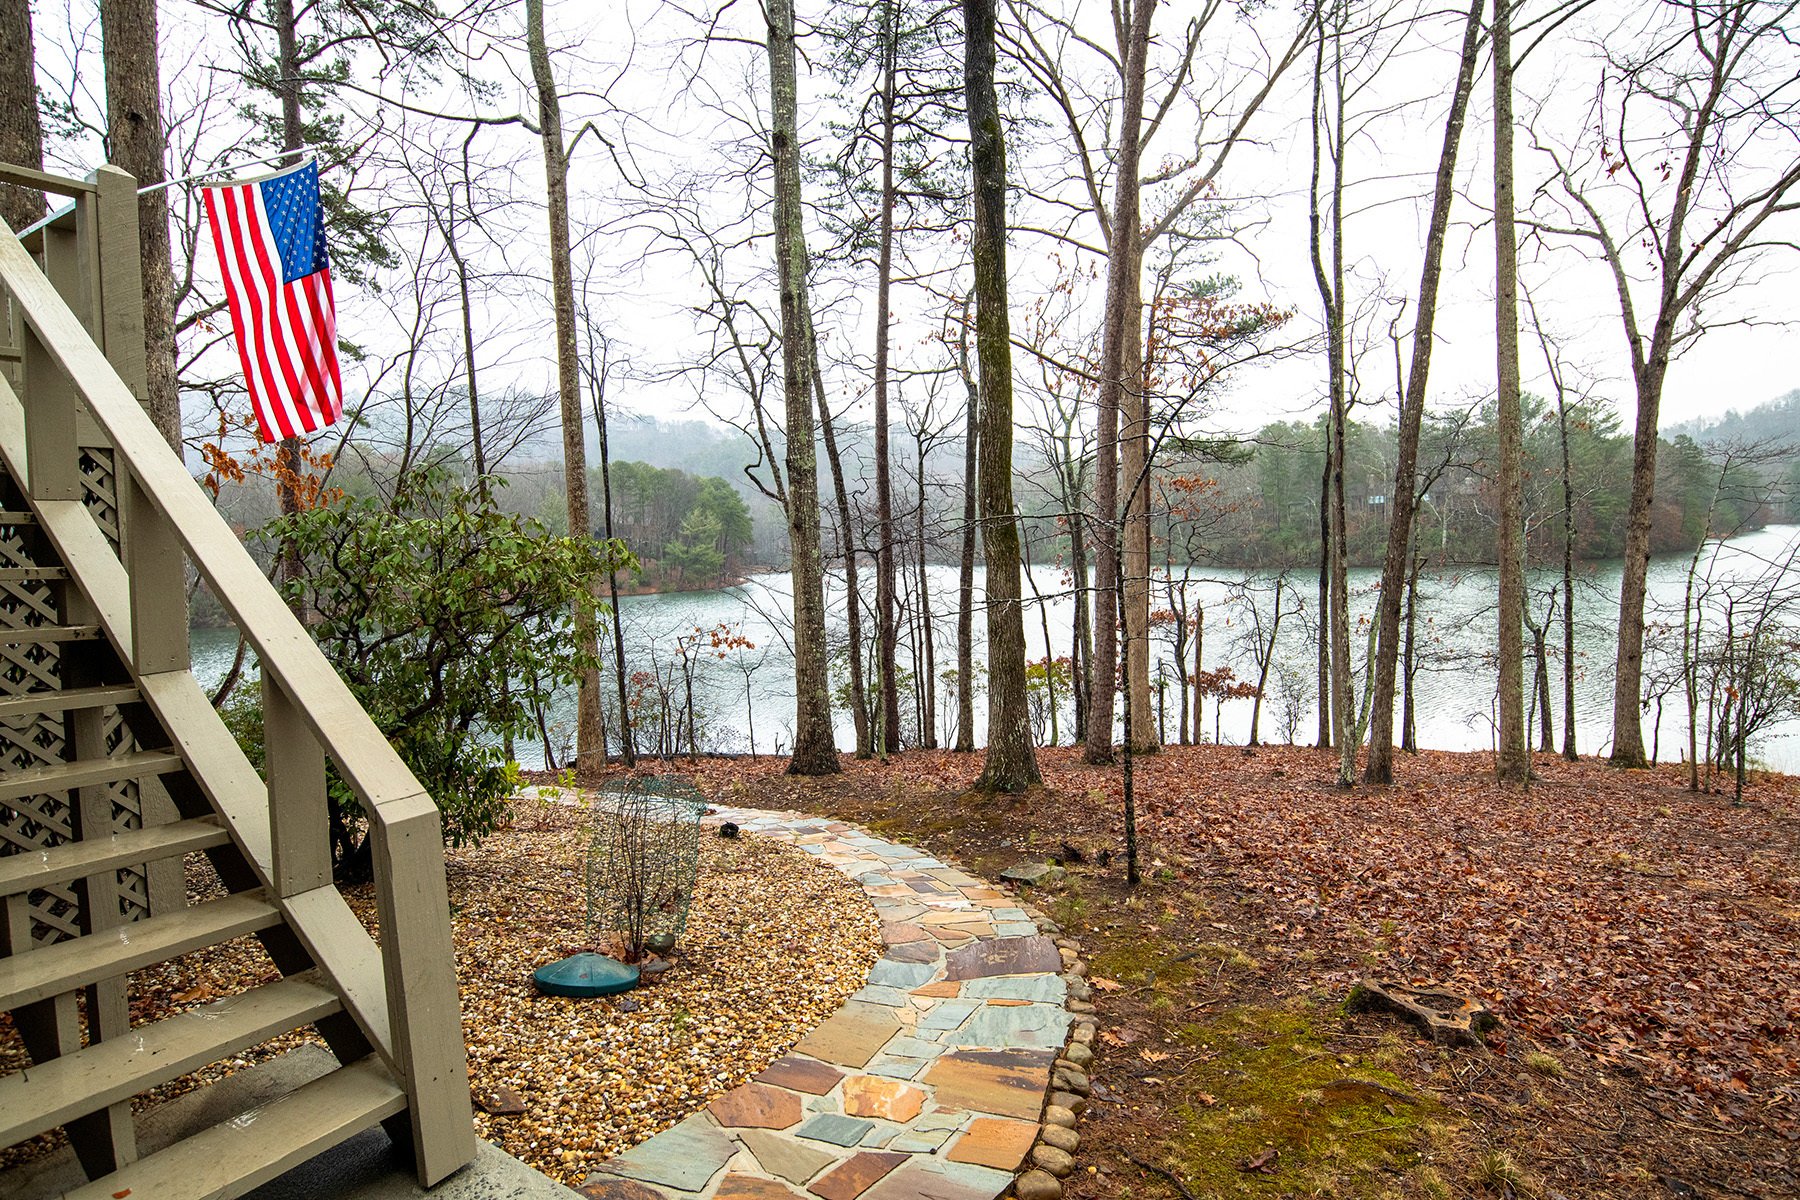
(21, 132)
(1081, 636)
(1409, 726)
(1568, 583)
(1120, 404)
(1199, 734)
(135, 142)
(447, 222)
(814, 751)
(1324, 689)
(1342, 693)
(1541, 679)
(928, 685)
(1721, 82)
(1134, 470)
(886, 633)
(1330, 298)
(590, 746)
(627, 738)
(859, 699)
(1403, 502)
(1011, 759)
(1514, 762)
(1331, 294)
(1268, 658)
(965, 608)
(1049, 655)
(1178, 651)
(1628, 671)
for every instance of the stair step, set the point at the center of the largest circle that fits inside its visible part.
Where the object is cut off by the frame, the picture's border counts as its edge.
(232, 1158)
(37, 635)
(40, 974)
(55, 1092)
(21, 873)
(86, 772)
(33, 574)
(67, 700)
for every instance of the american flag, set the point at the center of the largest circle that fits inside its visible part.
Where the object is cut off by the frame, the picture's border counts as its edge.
(270, 234)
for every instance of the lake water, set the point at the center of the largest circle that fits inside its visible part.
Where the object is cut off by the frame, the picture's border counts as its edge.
(753, 689)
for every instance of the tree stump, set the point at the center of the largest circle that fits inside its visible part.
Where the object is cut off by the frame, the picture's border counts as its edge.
(1446, 1017)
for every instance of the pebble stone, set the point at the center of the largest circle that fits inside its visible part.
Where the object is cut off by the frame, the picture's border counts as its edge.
(1065, 1140)
(1038, 1185)
(1056, 1114)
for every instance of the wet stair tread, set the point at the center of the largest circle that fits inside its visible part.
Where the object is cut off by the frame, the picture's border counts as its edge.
(67, 700)
(73, 860)
(86, 772)
(247, 1151)
(40, 974)
(55, 1092)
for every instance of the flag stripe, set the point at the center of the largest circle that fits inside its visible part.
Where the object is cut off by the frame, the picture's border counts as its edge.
(285, 323)
(279, 334)
(317, 290)
(255, 338)
(214, 202)
(252, 335)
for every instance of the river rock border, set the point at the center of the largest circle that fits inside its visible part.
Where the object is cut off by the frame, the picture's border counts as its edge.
(956, 1073)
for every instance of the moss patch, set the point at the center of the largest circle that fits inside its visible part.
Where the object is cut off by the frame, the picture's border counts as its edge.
(1144, 961)
(1264, 1079)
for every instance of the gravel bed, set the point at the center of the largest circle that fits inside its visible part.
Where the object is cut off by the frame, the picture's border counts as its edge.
(775, 943)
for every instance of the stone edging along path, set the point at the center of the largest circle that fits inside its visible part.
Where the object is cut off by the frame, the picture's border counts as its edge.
(962, 1061)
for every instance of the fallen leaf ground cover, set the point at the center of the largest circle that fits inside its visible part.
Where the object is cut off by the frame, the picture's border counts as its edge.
(1638, 941)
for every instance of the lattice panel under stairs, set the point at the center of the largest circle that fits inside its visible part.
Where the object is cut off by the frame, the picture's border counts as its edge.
(100, 488)
(34, 823)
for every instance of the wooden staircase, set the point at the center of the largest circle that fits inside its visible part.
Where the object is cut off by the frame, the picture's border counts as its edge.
(114, 768)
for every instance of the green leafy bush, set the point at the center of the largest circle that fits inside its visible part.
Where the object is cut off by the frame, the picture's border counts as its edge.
(451, 621)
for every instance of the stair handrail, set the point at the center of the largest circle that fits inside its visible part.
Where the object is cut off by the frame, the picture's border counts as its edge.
(310, 714)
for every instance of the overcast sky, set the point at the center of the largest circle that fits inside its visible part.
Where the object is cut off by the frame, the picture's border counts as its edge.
(1391, 164)
(675, 122)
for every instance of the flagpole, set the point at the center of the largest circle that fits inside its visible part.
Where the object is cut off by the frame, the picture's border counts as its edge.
(248, 162)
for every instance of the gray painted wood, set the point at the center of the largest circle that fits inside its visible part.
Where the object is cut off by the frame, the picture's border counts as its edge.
(299, 822)
(68, 965)
(61, 777)
(22, 873)
(230, 1159)
(52, 1093)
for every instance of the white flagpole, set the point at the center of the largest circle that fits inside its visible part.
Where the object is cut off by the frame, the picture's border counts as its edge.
(248, 162)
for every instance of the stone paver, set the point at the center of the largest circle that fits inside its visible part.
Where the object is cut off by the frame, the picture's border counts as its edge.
(802, 1075)
(756, 1106)
(927, 1084)
(993, 1142)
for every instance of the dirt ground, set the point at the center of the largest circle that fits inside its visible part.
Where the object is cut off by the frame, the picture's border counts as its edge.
(1638, 942)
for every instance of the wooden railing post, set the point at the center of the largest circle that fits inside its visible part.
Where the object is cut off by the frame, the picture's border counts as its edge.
(119, 281)
(155, 564)
(49, 400)
(419, 959)
(299, 824)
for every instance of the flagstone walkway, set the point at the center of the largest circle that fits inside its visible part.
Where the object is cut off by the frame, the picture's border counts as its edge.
(930, 1083)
